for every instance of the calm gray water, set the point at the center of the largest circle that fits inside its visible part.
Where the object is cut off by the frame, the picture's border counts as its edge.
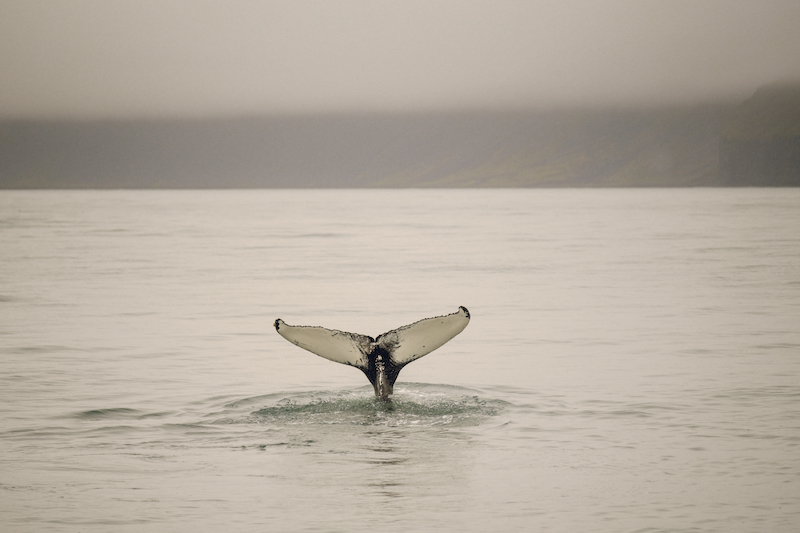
(632, 363)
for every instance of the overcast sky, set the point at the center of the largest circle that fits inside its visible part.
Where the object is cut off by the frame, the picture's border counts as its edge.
(101, 58)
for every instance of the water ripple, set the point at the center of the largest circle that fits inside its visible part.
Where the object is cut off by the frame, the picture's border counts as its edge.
(413, 404)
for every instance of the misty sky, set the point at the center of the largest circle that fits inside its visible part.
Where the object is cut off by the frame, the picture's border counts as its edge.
(103, 58)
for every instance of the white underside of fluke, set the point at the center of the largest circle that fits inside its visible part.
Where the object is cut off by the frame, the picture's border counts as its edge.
(402, 345)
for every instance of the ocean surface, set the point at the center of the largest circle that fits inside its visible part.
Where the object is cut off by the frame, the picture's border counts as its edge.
(632, 363)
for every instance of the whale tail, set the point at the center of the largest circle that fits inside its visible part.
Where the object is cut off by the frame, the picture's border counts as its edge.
(381, 358)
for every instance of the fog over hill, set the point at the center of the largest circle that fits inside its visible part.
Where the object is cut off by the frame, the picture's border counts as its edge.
(760, 144)
(670, 146)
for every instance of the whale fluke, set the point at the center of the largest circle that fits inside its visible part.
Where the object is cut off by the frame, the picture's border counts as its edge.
(381, 359)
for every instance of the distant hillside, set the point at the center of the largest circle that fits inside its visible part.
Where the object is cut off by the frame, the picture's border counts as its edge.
(632, 148)
(760, 143)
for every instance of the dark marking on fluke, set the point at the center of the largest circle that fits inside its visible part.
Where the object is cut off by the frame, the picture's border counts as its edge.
(381, 358)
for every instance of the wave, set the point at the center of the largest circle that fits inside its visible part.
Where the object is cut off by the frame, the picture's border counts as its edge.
(116, 413)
